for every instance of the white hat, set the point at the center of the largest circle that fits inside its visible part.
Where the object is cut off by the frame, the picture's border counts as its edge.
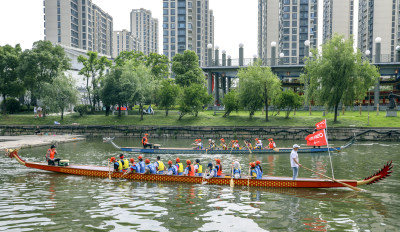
(294, 146)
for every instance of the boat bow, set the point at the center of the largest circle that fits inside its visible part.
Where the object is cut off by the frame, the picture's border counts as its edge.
(379, 175)
(110, 140)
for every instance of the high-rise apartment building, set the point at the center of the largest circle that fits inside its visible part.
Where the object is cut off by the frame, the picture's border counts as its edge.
(124, 41)
(338, 18)
(187, 25)
(78, 24)
(289, 23)
(145, 29)
(379, 19)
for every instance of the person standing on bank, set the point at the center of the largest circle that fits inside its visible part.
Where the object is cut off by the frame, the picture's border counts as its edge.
(145, 142)
(50, 156)
(294, 161)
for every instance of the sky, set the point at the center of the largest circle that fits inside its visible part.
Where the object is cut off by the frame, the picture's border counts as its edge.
(236, 21)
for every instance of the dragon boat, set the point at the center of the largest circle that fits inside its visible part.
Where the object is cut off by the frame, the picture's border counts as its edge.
(158, 150)
(268, 181)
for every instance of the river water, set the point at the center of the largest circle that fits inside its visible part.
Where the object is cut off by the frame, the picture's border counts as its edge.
(35, 200)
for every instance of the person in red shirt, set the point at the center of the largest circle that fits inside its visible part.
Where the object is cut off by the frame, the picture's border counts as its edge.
(50, 156)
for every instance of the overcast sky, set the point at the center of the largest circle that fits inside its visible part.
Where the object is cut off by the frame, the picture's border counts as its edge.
(21, 21)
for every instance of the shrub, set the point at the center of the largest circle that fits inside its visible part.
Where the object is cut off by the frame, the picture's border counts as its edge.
(82, 109)
(12, 105)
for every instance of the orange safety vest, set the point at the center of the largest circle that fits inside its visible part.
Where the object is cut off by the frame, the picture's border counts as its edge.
(219, 172)
(144, 141)
(51, 153)
(271, 145)
(191, 171)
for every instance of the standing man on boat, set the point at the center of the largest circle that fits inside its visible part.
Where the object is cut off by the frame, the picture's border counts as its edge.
(198, 168)
(141, 164)
(179, 166)
(50, 156)
(171, 169)
(146, 143)
(259, 169)
(294, 161)
(124, 162)
(159, 166)
(149, 169)
(189, 170)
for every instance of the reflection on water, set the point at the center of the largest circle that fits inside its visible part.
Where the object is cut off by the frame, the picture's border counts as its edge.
(34, 200)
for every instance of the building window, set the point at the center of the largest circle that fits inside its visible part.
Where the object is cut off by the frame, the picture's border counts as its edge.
(165, 4)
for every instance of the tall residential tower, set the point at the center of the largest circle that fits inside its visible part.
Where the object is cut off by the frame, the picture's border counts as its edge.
(379, 19)
(289, 23)
(124, 41)
(338, 18)
(187, 25)
(145, 28)
(78, 24)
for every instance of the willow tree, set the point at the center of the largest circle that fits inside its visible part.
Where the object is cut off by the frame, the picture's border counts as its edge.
(257, 85)
(338, 74)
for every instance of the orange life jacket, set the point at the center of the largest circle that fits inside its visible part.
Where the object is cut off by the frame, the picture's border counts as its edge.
(51, 153)
(219, 173)
(271, 145)
(144, 140)
(191, 171)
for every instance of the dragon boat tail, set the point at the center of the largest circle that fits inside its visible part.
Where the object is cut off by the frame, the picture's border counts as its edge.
(269, 181)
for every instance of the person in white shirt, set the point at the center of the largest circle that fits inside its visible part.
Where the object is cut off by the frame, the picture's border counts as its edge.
(294, 161)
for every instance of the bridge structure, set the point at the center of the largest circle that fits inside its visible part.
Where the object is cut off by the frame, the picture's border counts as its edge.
(221, 73)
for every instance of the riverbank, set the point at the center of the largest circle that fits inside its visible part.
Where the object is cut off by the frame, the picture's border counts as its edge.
(24, 141)
(207, 118)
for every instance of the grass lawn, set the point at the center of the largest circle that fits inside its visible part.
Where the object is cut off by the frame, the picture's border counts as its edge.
(207, 118)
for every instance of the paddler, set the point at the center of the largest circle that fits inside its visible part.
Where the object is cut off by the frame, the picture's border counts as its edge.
(236, 170)
(117, 164)
(212, 172)
(248, 144)
(171, 169)
(223, 144)
(271, 144)
(259, 168)
(189, 170)
(159, 166)
(134, 168)
(179, 166)
(141, 164)
(50, 156)
(253, 171)
(145, 142)
(259, 144)
(124, 162)
(198, 168)
(149, 169)
(218, 166)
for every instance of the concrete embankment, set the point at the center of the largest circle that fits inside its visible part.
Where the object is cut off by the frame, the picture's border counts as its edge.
(23, 141)
(278, 133)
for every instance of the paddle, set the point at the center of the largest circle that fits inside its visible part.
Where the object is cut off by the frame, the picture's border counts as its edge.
(247, 147)
(109, 170)
(232, 182)
(204, 177)
(337, 181)
(248, 178)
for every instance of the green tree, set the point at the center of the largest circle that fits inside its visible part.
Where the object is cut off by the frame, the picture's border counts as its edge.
(61, 93)
(159, 65)
(93, 70)
(42, 64)
(231, 102)
(338, 74)
(288, 100)
(135, 58)
(186, 69)
(167, 94)
(10, 82)
(193, 99)
(257, 85)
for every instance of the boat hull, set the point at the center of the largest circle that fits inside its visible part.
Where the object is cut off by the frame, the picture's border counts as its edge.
(279, 182)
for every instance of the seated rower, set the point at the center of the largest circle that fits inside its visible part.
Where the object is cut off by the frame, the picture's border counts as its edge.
(237, 145)
(260, 171)
(179, 166)
(198, 168)
(218, 166)
(159, 166)
(259, 144)
(134, 168)
(200, 144)
(124, 162)
(248, 144)
(141, 164)
(171, 169)
(254, 173)
(212, 172)
(117, 164)
(236, 170)
(50, 156)
(223, 144)
(271, 144)
(189, 170)
(145, 142)
(149, 169)
(211, 145)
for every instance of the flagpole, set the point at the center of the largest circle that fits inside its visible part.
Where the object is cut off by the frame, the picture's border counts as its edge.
(327, 143)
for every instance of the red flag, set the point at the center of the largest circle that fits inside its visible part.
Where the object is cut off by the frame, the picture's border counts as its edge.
(317, 139)
(321, 125)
